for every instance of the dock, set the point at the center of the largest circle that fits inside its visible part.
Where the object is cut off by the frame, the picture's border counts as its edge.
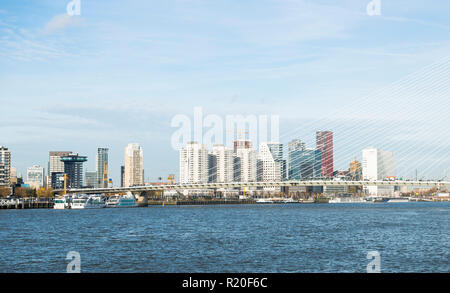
(35, 203)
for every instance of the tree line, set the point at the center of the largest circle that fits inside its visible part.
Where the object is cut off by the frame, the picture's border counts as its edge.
(26, 192)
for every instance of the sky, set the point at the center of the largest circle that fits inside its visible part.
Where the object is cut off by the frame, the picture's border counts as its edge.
(119, 72)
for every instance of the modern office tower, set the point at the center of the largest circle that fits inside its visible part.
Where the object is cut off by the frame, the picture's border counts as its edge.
(102, 167)
(294, 146)
(212, 168)
(5, 166)
(35, 177)
(377, 165)
(90, 179)
(271, 166)
(225, 161)
(194, 164)
(355, 170)
(55, 165)
(304, 163)
(73, 168)
(134, 170)
(58, 180)
(324, 143)
(122, 176)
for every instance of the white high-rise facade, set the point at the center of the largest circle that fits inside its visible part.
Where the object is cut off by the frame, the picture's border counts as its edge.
(270, 158)
(35, 176)
(134, 170)
(224, 163)
(194, 164)
(5, 166)
(248, 162)
(376, 165)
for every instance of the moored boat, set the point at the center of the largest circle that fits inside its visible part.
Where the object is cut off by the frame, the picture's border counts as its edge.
(121, 201)
(95, 202)
(79, 202)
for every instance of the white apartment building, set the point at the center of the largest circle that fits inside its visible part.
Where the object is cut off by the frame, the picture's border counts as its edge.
(271, 167)
(5, 166)
(35, 177)
(134, 169)
(224, 163)
(194, 164)
(376, 165)
(248, 163)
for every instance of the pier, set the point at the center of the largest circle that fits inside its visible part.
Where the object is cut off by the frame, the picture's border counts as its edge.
(21, 203)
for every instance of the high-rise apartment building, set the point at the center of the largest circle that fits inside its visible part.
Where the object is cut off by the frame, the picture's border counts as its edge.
(270, 156)
(324, 143)
(5, 166)
(194, 164)
(35, 177)
(102, 167)
(376, 165)
(224, 163)
(134, 169)
(247, 164)
(73, 168)
(55, 165)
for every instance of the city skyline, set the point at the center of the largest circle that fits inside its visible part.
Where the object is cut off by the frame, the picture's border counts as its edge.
(294, 144)
(317, 66)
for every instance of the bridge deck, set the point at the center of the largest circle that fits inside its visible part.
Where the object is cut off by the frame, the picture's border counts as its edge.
(259, 184)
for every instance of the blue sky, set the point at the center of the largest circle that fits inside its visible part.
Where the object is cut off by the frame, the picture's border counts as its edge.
(120, 71)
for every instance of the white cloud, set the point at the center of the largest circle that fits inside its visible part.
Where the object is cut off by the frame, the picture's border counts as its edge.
(60, 22)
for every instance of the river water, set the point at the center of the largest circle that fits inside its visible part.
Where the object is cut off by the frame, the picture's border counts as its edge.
(410, 237)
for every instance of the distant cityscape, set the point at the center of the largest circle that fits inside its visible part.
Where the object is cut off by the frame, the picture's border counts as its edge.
(198, 165)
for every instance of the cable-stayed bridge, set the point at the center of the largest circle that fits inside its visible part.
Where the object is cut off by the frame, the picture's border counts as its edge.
(234, 185)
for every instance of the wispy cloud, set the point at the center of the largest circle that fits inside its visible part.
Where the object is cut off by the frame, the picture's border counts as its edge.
(60, 22)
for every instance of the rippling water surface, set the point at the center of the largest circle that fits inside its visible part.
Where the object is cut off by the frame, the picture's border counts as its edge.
(411, 237)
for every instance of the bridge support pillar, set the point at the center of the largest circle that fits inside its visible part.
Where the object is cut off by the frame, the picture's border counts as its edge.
(142, 200)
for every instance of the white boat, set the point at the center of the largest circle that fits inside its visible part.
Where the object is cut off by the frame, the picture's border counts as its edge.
(95, 202)
(113, 201)
(398, 199)
(264, 200)
(289, 200)
(124, 201)
(61, 203)
(346, 200)
(79, 202)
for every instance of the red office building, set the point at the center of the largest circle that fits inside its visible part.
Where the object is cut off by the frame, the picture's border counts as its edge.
(324, 143)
